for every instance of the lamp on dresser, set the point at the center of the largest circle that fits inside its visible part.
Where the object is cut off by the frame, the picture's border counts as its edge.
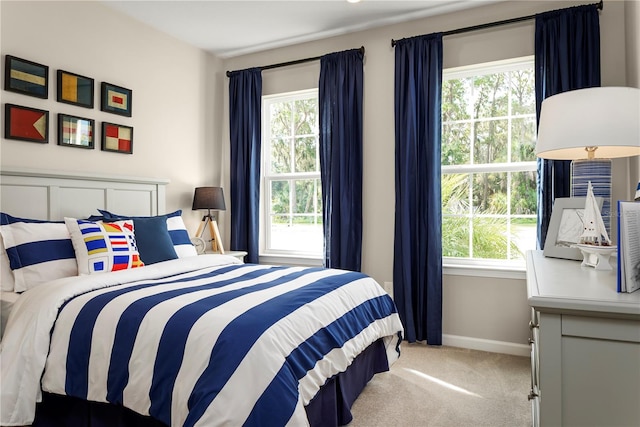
(210, 198)
(590, 127)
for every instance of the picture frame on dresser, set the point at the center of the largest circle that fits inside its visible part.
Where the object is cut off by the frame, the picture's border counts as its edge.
(115, 99)
(565, 227)
(26, 77)
(74, 89)
(26, 124)
(76, 131)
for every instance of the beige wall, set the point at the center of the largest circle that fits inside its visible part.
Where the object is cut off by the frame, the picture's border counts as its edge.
(180, 115)
(483, 308)
(175, 100)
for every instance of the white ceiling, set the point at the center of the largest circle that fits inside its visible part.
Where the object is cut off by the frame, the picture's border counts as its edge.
(232, 28)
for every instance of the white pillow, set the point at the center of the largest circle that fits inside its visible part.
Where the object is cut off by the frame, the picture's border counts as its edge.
(6, 275)
(102, 247)
(37, 251)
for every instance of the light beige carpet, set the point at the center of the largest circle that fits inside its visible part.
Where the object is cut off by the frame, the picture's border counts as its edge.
(447, 386)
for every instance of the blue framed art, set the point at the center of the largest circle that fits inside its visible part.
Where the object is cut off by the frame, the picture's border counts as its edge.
(115, 99)
(26, 77)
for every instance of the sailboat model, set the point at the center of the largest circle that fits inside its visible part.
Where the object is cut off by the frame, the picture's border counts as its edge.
(594, 233)
(594, 242)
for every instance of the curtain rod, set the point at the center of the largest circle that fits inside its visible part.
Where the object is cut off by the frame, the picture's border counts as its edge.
(297, 61)
(600, 6)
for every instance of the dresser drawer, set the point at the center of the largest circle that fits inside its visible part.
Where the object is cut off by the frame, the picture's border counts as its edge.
(600, 328)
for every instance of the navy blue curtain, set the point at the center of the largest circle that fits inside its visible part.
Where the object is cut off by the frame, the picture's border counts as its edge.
(245, 101)
(340, 99)
(567, 57)
(417, 258)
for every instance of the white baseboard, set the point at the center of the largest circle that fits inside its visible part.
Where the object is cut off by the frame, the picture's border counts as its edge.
(486, 345)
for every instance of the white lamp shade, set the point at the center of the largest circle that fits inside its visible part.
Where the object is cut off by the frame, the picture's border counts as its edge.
(604, 117)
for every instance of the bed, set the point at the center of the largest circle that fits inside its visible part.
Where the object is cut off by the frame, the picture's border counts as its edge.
(147, 332)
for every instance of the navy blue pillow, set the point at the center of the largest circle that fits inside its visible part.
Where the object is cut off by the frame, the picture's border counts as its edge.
(152, 237)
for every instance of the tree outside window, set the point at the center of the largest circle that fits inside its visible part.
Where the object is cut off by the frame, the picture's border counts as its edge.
(488, 161)
(291, 169)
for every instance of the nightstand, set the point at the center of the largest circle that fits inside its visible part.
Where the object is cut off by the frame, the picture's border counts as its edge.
(238, 254)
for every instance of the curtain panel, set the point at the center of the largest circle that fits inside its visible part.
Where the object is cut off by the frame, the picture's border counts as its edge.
(245, 108)
(567, 57)
(340, 104)
(417, 262)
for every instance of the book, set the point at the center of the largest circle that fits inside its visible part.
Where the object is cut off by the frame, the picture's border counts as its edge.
(628, 246)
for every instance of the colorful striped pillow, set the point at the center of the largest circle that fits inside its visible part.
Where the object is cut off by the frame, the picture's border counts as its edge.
(38, 251)
(101, 247)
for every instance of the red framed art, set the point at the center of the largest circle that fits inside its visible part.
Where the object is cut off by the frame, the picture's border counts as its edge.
(26, 124)
(117, 138)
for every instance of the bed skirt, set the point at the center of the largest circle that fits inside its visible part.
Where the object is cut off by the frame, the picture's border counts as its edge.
(331, 407)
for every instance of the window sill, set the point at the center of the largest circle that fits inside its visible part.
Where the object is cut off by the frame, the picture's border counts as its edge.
(494, 271)
(296, 260)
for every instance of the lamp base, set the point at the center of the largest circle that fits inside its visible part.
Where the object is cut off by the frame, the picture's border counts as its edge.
(214, 232)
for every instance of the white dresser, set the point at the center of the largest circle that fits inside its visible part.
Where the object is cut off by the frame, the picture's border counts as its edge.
(585, 346)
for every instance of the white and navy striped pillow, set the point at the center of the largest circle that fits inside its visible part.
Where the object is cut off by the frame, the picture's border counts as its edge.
(38, 251)
(175, 226)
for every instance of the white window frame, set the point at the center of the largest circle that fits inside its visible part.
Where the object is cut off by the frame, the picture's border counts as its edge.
(267, 254)
(478, 266)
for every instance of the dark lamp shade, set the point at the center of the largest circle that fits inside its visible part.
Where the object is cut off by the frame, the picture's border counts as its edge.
(208, 198)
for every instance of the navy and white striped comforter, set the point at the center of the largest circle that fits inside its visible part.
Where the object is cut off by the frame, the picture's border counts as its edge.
(206, 344)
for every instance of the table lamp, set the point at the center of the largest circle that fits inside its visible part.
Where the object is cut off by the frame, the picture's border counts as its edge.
(590, 127)
(210, 198)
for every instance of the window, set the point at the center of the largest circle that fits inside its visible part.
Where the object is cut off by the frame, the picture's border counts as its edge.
(292, 193)
(488, 161)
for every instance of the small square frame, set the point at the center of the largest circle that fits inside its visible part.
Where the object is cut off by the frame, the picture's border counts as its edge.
(76, 131)
(74, 89)
(117, 138)
(26, 77)
(24, 128)
(565, 227)
(115, 99)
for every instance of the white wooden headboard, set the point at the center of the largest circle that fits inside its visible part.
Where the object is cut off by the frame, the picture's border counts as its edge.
(52, 195)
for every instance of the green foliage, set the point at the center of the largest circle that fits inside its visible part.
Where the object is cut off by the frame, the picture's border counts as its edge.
(294, 149)
(476, 131)
(489, 239)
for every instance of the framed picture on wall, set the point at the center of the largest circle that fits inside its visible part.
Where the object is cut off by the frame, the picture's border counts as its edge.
(26, 77)
(75, 131)
(115, 99)
(26, 124)
(117, 138)
(75, 89)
